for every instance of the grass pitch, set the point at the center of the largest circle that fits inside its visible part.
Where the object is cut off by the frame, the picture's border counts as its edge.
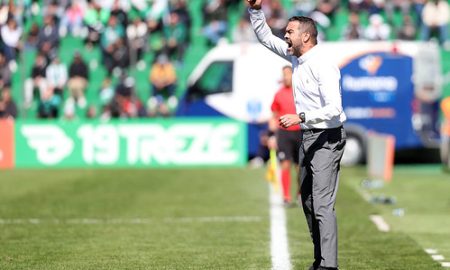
(186, 219)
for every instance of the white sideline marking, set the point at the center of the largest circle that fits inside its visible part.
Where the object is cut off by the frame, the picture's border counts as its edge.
(380, 223)
(430, 251)
(445, 264)
(100, 221)
(437, 257)
(279, 250)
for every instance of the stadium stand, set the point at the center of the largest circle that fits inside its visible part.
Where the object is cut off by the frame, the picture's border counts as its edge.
(119, 39)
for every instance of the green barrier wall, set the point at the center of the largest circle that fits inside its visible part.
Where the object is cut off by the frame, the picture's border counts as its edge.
(149, 143)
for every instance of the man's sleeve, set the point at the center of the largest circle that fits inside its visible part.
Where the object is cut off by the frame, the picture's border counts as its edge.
(265, 36)
(275, 107)
(330, 91)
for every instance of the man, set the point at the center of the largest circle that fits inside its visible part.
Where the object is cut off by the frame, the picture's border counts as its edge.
(288, 139)
(316, 89)
(445, 133)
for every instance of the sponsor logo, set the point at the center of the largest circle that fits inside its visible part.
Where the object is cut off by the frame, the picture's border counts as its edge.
(50, 143)
(137, 144)
(387, 83)
(371, 64)
(371, 82)
(369, 113)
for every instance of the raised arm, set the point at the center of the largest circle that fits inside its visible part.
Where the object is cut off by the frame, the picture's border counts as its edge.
(263, 31)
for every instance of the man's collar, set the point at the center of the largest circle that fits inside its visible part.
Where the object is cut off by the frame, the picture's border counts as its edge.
(303, 58)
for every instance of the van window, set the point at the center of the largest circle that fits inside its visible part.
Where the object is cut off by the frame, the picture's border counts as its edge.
(217, 78)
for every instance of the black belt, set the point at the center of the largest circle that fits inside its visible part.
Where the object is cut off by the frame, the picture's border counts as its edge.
(316, 130)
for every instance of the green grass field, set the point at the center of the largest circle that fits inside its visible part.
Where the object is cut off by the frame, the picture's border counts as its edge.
(205, 219)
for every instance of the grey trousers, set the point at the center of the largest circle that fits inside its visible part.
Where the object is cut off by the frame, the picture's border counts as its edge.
(319, 158)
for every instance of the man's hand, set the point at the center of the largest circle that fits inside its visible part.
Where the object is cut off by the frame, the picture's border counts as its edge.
(254, 4)
(289, 120)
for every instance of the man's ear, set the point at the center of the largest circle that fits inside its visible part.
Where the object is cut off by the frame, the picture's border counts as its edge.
(306, 37)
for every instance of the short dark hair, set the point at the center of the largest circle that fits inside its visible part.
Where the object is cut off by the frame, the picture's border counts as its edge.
(308, 25)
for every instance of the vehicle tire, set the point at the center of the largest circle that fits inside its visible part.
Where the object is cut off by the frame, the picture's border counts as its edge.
(354, 150)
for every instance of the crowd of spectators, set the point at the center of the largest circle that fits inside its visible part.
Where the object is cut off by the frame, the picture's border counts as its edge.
(125, 31)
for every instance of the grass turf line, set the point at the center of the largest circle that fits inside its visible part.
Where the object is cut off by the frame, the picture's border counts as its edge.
(162, 194)
(361, 245)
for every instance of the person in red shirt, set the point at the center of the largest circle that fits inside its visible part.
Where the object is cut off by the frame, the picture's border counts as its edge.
(288, 139)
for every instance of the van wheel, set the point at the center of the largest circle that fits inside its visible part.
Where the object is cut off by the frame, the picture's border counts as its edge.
(353, 151)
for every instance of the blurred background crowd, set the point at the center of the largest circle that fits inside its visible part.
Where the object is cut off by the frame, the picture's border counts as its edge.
(130, 58)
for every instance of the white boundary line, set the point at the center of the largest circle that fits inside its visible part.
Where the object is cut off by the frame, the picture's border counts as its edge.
(279, 249)
(437, 257)
(380, 223)
(119, 221)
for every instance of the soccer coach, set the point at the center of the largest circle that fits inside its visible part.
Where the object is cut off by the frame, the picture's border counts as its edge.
(318, 103)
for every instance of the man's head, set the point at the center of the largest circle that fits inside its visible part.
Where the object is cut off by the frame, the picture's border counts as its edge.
(301, 35)
(287, 76)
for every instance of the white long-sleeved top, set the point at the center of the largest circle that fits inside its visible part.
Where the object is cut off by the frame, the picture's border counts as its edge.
(315, 80)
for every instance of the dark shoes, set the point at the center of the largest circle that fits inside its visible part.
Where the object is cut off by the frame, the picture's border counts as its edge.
(312, 267)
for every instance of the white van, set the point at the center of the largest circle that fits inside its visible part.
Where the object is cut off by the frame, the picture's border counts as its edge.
(380, 82)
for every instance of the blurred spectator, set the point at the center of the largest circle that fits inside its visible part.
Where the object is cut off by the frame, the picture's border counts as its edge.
(95, 18)
(276, 16)
(215, 18)
(435, 16)
(243, 32)
(353, 30)
(391, 6)
(303, 7)
(407, 30)
(376, 6)
(72, 21)
(377, 29)
(54, 8)
(175, 35)
(328, 8)
(8, 107)
(111, 43)
(56, 75)
(78, 79)
(137, 40)
(37, 81)
(120, 57)
(358, 5)
(5, 72)
(125, 98)
(11, 34)
(125, 87)
(157, 10)
(118, 12)
(163, 81)
(154, 14)
(106, 92)
(418, 9)
(91, 112)
(180, 8)
(48, 38)
(32, 37)
(49, 105)
(265, 136)
(69, 110)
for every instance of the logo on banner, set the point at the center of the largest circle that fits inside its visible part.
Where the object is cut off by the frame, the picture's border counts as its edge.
(50, 142)
(371, 64)
(135, 144)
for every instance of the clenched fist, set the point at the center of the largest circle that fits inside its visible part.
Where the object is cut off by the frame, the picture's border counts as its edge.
(254, 4)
